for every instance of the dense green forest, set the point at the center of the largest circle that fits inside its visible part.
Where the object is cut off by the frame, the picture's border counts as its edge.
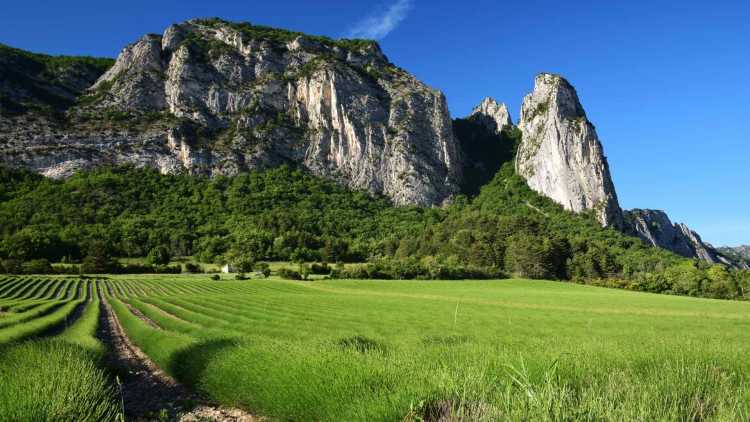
(288, 214)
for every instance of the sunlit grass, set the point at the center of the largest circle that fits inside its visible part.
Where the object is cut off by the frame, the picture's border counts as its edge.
(373, 350)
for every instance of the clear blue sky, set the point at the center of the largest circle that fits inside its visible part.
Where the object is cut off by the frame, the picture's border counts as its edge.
(665, 83)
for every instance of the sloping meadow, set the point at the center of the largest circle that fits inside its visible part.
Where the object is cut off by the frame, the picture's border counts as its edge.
(341, 350)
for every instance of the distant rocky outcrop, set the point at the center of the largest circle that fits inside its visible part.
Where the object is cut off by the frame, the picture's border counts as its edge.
(738, 254)
(560, 155)
(212, 97)
(741, 251)
(655, 228)
(491, 114)
(488, 140)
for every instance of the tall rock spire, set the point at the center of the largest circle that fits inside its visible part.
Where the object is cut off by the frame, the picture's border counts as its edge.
(560, 155)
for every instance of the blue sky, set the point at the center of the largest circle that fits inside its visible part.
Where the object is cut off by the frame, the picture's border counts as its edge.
(665, 83)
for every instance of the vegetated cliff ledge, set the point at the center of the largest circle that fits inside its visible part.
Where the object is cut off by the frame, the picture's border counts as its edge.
(214, 97)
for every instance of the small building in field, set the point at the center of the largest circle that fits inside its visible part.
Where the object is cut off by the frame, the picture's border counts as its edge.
(227, 268)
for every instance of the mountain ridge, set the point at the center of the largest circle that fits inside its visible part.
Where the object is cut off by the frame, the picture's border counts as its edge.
(211, 97)
(214, 97)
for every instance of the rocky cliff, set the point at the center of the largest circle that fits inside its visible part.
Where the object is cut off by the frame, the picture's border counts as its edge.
(491, 114)
(655, 228)
(487, 140)
(560, 155)
(738, 254)
(213, 97)
(741, 251)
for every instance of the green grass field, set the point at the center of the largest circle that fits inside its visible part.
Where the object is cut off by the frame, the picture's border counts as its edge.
(405, 350)
(50, 361)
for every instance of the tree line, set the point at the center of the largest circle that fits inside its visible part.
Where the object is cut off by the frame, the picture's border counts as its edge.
(287, 214)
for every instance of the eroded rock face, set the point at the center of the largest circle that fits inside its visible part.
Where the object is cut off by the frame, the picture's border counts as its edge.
(655, 227)
(493, 115)
(740, 255)
(212, 97)
(560, 155)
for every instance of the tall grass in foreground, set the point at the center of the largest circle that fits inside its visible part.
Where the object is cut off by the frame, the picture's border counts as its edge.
(56, 379)
(310, 383)
(359, 378)
(53, 380)
(511, 350)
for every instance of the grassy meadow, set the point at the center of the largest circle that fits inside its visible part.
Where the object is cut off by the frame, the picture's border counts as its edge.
(402, 350)
(50, 361)
(513, 349)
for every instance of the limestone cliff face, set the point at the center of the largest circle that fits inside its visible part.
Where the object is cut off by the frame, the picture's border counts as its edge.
(655, 228)
(560, 155)
(493, 115)
(213, 97)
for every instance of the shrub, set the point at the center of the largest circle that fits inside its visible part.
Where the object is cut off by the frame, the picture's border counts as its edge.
(12, 266)
(215, 277)
(159, 256)
(288, 274)
(243, 264)
(321, 269)
(263, 268)
(304, 271)
(193, 268)
(149, 269)
(99, 264)
(37, 266)
(410, 269)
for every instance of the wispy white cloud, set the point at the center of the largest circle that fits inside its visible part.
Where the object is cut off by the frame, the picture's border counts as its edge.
(382, 22)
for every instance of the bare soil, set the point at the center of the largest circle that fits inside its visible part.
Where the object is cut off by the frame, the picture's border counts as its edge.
(147, 392)
(168, 314)
(151, 323)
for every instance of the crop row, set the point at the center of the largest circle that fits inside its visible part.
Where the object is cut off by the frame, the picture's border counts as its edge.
(33, 306)
(60, 377)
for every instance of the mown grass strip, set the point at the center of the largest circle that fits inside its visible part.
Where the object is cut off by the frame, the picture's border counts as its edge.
(83, 331)
(8, 285)
(36, 311)
(22, 305)
(160, 345)
(19, 291)
(39, 325)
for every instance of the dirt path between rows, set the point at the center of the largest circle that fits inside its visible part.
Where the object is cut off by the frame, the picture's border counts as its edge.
(169, 314)
(147, 392)
(142, 317)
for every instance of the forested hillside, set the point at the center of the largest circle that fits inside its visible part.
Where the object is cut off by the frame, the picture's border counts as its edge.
(287, 214)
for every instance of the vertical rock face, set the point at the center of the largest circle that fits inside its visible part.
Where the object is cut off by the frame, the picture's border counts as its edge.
(560, 155)
(214, 97)
(655, 228)
(493, 115)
